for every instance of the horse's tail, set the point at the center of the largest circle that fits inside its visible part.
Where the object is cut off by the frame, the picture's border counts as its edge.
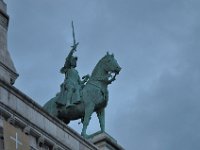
(50, 107)
(46, 106)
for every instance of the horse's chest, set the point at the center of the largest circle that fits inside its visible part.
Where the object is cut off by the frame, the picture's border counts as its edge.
(100, 97)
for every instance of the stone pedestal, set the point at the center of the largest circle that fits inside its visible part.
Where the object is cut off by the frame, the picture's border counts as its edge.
(104, 141)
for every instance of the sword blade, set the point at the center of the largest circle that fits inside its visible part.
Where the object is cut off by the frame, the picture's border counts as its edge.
(73, 34)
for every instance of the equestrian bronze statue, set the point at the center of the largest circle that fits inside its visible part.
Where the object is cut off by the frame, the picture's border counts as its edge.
(77, 98)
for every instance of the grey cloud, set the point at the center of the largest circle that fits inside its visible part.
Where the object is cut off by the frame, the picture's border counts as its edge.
(156, 43)
(164, 117)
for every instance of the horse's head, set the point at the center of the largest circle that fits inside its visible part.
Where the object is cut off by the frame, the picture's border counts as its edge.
(110, 64)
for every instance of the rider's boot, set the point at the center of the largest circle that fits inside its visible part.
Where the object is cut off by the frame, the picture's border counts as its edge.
(69, 97)
(60, 104)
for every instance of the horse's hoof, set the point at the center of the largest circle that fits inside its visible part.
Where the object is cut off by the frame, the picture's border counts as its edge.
(84, 135)
(67, 122)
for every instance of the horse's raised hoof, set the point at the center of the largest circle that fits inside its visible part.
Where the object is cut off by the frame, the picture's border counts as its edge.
(85, 136)
(67, 122)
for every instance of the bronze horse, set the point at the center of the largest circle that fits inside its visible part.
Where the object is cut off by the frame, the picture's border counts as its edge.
(94, 96)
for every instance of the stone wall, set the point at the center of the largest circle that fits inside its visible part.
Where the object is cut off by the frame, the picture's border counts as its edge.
(26, 113)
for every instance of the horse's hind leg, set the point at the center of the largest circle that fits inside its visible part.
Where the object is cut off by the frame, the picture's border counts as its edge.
(88, 113)
(101, 117)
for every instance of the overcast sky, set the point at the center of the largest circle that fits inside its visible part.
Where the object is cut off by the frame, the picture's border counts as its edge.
(154, 103)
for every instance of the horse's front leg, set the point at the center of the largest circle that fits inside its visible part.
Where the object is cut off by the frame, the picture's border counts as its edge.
(88, 112)
(101, 117)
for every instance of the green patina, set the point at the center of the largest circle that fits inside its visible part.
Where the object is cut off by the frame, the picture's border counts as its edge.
(79, 99)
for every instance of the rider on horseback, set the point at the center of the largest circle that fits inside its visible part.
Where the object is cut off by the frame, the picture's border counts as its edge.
(72, 85)
(94, 94)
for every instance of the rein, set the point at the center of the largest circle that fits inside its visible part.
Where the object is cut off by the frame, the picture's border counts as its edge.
(91, 81)
(94, 85)
(95, 79)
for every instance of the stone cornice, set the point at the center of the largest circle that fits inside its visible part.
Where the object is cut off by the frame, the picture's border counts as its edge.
(7, 74)
(8, 69)
(105, 140)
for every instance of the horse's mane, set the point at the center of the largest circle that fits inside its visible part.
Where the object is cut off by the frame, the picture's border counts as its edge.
(100, 62)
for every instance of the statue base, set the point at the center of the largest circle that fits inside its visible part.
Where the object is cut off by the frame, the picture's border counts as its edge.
(104, 141)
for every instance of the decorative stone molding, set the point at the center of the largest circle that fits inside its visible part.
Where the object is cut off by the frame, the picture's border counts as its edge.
(11, 120)
(27, 130)
(7, 73)
(55, 147)
(104, 141)
(40, 141)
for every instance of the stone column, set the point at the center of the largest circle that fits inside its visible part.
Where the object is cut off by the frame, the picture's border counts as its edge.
(104, 141)
(7, 68)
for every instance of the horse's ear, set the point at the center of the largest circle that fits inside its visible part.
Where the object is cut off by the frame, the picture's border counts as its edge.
(107, 53)
(112, 55)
